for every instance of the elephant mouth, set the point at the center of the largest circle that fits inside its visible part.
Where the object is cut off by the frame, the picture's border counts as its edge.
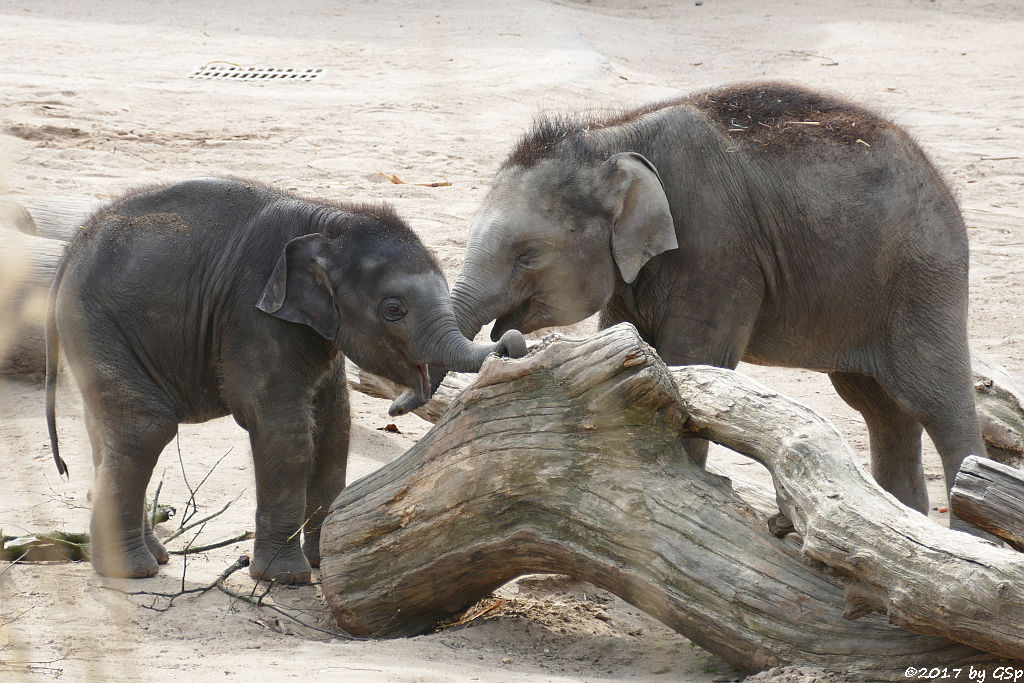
(423, 390)
(529, 316)
(516, 319)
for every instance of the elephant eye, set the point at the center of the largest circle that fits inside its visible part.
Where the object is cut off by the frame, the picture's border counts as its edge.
(392, 309)
(526, 259)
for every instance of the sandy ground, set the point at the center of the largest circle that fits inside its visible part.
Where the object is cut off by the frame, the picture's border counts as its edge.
(95, 98)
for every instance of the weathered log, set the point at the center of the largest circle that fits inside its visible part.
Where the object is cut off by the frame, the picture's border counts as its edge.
(14, 216)
(59, 217)
(27, 265)
(990, 495)
(572, 461)
(999, 395)
(1000, 400)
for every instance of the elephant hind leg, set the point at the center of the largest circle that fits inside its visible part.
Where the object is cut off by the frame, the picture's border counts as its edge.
(895, 437)
(943, 402)
(128, 429)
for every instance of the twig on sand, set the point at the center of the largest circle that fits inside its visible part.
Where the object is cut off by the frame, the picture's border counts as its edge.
(204, 520)
(35, 667)
(4, 621)
(13, 562)
(241, 562)
(398, 181)
(189, 550)
(187, 515)
(803, 53)
(258, 602)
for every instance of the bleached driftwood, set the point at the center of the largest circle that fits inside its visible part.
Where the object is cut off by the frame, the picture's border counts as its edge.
(571, 461)
(990, 495)
(27, 265)
(59, 217)
(14, 216)
(1000, 400)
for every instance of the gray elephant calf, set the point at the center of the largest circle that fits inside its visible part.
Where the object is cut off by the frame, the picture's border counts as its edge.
(760, 222)
(213, 297)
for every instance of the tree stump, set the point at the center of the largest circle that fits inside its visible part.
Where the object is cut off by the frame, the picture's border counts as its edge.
(990, 496)
(571, 461)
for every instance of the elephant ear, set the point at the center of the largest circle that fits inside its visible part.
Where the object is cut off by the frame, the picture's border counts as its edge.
(299, 290)
(642, 224)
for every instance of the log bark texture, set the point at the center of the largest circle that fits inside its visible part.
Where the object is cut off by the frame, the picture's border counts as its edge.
(14, 216)
(1000, 400)
(59, 217)
(27, 266)
(990, 495)
(572, 461)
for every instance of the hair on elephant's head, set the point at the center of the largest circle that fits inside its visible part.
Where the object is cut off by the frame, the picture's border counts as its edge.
(560, 225)
(367, 283)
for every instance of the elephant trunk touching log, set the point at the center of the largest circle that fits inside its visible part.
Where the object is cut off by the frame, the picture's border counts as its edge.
(572, 461)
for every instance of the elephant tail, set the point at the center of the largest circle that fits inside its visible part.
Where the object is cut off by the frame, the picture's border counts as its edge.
(52, 367)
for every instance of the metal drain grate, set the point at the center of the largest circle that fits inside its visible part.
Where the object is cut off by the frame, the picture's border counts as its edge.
(235, 72)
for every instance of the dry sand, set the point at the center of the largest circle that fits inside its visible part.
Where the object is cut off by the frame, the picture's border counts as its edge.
(94, 98)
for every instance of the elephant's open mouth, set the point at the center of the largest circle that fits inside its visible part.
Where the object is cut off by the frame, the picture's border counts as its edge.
(513, 320)
(423, 390)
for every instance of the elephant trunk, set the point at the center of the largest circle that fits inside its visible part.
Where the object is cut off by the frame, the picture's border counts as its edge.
(447, 349)
(452, 351)
(472, 311)
(458, 354)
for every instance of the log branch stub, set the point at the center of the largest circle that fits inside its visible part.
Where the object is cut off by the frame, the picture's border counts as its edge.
(990, 495)
(572, 461)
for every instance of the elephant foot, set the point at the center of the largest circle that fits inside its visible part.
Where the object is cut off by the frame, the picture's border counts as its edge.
(138, 563)
(157, 548)
(289, 570)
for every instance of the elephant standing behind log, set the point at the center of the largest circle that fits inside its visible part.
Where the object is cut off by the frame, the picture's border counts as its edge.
(759, 222)
(213, 297)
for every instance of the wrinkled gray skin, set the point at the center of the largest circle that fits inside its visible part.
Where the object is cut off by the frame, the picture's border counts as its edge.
(213, 297)
(724, 231)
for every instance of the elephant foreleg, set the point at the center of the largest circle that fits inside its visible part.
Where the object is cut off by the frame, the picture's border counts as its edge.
(330, 457)
(282, 450)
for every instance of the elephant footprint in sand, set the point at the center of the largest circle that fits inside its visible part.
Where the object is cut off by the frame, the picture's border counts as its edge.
(211, 297)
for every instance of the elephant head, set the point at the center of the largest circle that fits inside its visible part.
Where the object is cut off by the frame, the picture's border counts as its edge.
(554, 236)
(382, 298)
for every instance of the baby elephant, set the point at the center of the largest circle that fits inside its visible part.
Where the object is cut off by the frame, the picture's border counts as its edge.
(212, 297)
